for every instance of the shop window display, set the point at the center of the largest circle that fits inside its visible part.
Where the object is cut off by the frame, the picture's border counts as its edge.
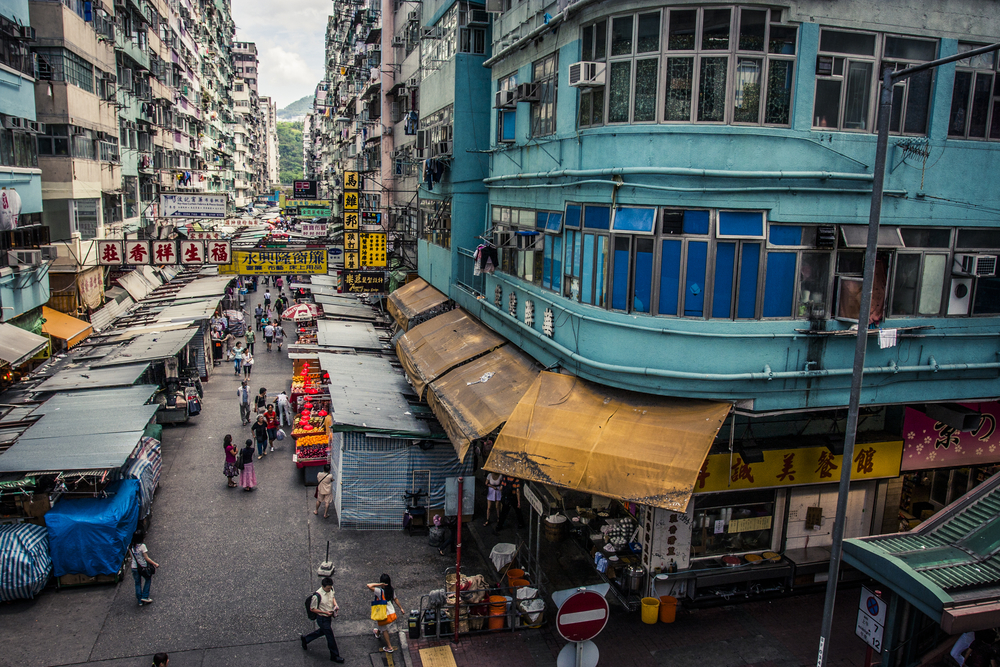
(731, 523)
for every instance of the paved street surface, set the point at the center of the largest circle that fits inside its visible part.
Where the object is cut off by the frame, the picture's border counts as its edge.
(237, 567)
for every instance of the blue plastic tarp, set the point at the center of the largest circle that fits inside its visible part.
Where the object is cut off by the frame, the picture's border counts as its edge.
(91, 535)
(24, 561)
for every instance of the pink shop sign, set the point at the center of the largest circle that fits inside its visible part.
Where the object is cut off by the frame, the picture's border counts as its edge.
(930, 444)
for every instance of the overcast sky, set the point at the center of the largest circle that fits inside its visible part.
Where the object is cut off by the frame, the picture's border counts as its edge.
(289, 35)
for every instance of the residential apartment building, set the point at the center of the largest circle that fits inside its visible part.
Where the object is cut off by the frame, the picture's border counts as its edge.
(269, 176)
(24, 283)
(245, 63)
(677, 204)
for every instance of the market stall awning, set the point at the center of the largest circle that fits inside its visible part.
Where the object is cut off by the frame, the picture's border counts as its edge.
(148, 347)
(621, 444)
(474, 399)
(76, 377)
(432, 348)
(18, 345)
(413, 299)
(64, 327)
(948, 567)
(356, 335)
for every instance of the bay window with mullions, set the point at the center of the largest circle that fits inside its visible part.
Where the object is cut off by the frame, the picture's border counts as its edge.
(848, 67)
(975, 98)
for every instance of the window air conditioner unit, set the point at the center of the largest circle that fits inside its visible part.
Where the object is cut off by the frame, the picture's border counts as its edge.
(49, 252)
(444, 148)
(414, 82)
(27, 33)
(13, 123)
(431, 32)
(35, 128)
(975, 265)
(479, 17)
(527, 92)
(109, 77)
(494, 6)
(505, 99)
(78, 131)
(25, 257)
(413, 16)
(399, 41)
(586, 74)
(960, 297)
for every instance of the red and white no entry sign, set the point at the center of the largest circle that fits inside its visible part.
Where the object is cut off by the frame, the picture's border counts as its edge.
(582, 616)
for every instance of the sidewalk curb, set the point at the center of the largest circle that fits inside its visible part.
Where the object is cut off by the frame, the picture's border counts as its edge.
(404, 646)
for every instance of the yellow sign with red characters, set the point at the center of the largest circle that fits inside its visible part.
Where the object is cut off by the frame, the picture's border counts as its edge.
(794, 467)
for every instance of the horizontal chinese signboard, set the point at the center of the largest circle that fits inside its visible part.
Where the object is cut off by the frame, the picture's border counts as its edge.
(160, 253)
(304, 189)
(204, 236)
(193, 206)
(312, 229)
(318, 203)
(276, 262)
(365, 281)
(793, 467)
(933, 444)
(307, 212)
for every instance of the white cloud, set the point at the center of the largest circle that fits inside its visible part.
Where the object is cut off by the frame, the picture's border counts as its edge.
(290, 44)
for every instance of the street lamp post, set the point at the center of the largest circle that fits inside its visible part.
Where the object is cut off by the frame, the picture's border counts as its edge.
(889, 78)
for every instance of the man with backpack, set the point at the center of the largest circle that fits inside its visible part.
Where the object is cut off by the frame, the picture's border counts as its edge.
(321, 607)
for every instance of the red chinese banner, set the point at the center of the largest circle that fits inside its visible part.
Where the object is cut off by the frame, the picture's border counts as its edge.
(137, 252)
(192, 252)
(218, 252)
(164, 252)
(109, 253)
(932, 444)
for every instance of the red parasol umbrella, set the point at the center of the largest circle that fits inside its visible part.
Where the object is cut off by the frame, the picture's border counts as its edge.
(301, 312)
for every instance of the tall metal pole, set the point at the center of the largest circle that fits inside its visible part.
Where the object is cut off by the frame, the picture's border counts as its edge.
(871, 250)
(458, 561)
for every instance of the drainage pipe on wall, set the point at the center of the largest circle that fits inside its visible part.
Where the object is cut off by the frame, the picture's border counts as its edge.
(683, 171)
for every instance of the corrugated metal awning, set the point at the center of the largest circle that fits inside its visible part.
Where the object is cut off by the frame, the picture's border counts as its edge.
(149, 347)
(18, 346)
(356, 335)
(74, 377)
(65, 327)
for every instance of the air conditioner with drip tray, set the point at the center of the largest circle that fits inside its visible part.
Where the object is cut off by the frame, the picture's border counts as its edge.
(586, 74)
(975, 265)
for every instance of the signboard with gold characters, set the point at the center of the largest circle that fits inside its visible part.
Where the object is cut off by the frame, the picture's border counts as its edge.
(372, 248)
(792, 467)
(352, 219)
(276, 262)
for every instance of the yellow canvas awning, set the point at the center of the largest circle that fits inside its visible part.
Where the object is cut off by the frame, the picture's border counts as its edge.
(413, 299)
(432, 348)
(64, 327)
(634, 447)
(474, 399)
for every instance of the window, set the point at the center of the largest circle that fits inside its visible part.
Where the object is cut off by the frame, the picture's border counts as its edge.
(435, 221)
(545, 73)
(507, 118)
(975, 98)
(714, 517)
(55, 141)
(14, 51)
(848, 68)
(17, 149)
(64, 65)
(595, 48)
(472, 40)
(85, 217)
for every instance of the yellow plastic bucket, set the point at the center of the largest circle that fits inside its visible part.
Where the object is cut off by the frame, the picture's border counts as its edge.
(650, 610)
(668, 608)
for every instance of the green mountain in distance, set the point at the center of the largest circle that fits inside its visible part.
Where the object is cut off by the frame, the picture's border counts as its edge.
(289, 152)
(297, 108)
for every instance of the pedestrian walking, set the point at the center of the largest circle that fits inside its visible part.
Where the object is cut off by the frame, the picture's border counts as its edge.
(510, 499)
(324, 605)
(247, 363)
(251, 337)
(383, 590)
(279, 282)
(271, 421)
(143, 567)
(267, 299)
(243, 395)
(258, 315)
(279, 335)
(260, 402)
(230, 341)
(284, 409)
(161, 660)
(268, 334)
(248, 478)
(324, 491)
(259, 430)
(230, 469)
(236, 355)
(493, 481)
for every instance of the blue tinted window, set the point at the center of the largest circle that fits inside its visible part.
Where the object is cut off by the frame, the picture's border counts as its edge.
(586, 290)
(740, 223)
(695, 222)
(670, 271)
(643, 275)
(547, 263)
(786, 235)
(722, 291)
(554, 223)
(541, 219)
(694, 282)
(619, 278)
(746, 304)
(634, 219)
(507, 123)
(597, 217)
(573, 216)
(779, 284)
(602, 272)
(557, 263)
(577, 253)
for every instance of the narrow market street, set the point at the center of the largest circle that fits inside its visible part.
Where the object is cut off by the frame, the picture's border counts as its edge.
(236, 566)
